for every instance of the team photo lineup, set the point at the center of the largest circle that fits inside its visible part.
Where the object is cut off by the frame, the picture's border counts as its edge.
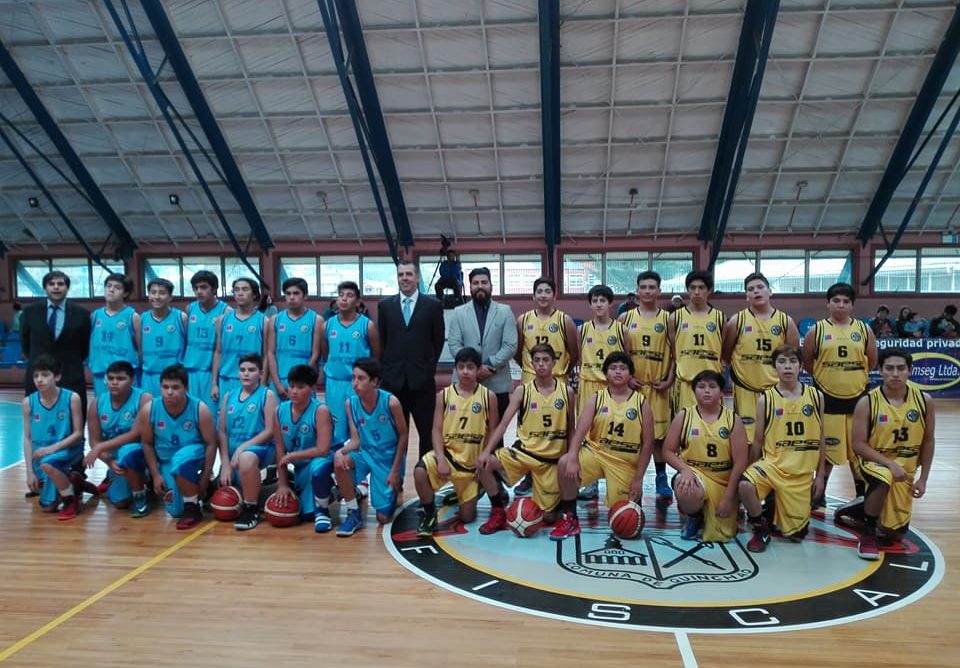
(176, 392)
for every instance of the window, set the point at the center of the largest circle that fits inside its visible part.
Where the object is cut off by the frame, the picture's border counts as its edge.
(510, 274)
(785, 269)
(789, 271)
(86, 277)
(299, 267)
(519, 273)
(898, 273)
(179, 271)
(940, 270)
(581, 271)
(827, 267)
(731, 268)
(376, 275)
(925, 270)
(379, 276)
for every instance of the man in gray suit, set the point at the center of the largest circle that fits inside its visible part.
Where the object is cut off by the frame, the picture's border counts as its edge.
(489, 327)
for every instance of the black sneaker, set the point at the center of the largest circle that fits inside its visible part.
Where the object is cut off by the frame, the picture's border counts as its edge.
(524, 487)
(249, 518)
(428, 524)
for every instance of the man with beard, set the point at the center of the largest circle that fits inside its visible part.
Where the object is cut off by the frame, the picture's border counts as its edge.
(485, 325)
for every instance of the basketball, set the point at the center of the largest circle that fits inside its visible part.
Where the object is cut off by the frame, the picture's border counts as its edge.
(524, 517)
(285, 516)
(626, 519)
(225, 503)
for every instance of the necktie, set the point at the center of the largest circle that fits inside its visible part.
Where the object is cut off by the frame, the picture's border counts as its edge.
(407, 310)
(52, 320)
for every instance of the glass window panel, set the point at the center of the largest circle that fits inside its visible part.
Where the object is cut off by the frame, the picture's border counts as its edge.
(940, 270)
(29, 279)
(519, 273)
(164, 267)
(379, 276)
(78, 269)
(581, 271)
(731, 268)
(784, 269)
(898, 274)
(193, 264)
(491, 261)
(336, 269)
(99, 275)
(828, 267)
(233, 269)
(300, 267)
(622, 270)
(673, 269)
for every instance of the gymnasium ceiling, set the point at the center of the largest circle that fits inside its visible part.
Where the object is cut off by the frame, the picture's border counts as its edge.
(643, 86)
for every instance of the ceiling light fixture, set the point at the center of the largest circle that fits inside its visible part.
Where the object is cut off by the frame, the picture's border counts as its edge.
(33, 202)
(174, 199)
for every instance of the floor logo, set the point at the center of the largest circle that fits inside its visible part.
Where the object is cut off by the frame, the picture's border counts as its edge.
(662, 583)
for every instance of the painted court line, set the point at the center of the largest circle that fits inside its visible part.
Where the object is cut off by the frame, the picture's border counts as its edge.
(113, 586)
(686, 651)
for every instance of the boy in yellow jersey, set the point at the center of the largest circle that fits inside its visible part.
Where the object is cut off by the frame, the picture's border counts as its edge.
(839, 352)
(617, 425)
(598, 338)
(546, 324)
(466, 412)
(696, 335)
(707, 446)
(545, 409)
(748, 339)
(649, 343)
(786, 454)
(893, 433)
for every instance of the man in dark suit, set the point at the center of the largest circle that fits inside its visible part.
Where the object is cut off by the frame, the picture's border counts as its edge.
(411, 337)
(58, 327)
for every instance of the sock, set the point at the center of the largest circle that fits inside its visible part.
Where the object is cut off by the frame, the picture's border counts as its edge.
(860, 486)
(568, 506)
(249, 505)
(870, 524)
(429, 509)
(755, 520)
(191, 499)
(497, 501)
(66, 491)
(139, 493)
(323, 503)
(352, 504)
(661, 468)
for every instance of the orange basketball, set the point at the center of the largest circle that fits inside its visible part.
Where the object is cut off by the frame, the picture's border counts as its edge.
(626, 519)
(524, 517)
(282, 516)
(225, 503)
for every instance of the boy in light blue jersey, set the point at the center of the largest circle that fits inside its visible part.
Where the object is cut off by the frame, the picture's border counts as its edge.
(239, 332)
(202, 318)
(347, 337)
(246, 422)
(377, 447)
(53, 440)
(293, 335)
(179, 446)
(111, 421)
(302, 438)
(163, 335)
(114, 332)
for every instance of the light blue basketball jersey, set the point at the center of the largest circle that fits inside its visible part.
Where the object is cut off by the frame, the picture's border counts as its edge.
(244, 417)
(294, 340)
(298, 434)
(238, 338)
(172, 433)
(345, 345)
(163, 342)
(377, 430)
(201, 335)
(49, 425)
(112, 339)
(117, 421)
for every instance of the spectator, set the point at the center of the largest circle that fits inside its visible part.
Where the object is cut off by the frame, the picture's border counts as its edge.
(628, 305)
(902, 319)
(331, 310)
(944, 325)
(676, 303)
(914, 327)
(883, 327)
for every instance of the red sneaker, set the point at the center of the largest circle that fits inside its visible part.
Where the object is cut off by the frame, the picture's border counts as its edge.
(104, 486)
(70, 508)
(761, 536)
(869, 547)
(568, 526)
(192, 516)
(497, 522)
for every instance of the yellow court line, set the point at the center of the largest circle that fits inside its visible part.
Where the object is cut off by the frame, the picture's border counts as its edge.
(113, 586)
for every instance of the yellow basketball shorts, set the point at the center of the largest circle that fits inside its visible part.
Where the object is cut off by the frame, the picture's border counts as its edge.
(745, 405)
(546, 484)
(792, 494)
(716, 529)
(898, 505)
(464, 480)
(596, 463)
(659, 402)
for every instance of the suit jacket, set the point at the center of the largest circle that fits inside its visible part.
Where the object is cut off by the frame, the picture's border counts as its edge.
(71, 348)
(499, 341)
(409, 352)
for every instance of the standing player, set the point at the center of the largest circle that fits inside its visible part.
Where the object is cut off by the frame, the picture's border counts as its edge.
(53, 439)
(239, 332)
(163, 335)
(893, 433)
(377, 447)
(646, 329)
(247, 418)
(202, 316)
(302, 438)
(547, 324)
(619, 442)
(115, 331)
(707, 446)
(839, 352)
(466, 412)
(293, 335)
(545, 410)
(748, 339)
(111, 421)
(790, 438)
(696, 334)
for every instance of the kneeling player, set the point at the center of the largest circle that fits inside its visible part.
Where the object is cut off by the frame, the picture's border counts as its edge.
(465, 413)
(618, 427)
(893, 433)
(544, 407)
(247, 416)
(707, 445)
(789, 435)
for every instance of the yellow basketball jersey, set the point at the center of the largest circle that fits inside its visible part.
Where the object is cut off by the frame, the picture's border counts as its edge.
(897, 431)
(791, 435)
(649, 344)
(705, 446)
(840, 358)
(698, 342)
(756, 339)
(618, 426)
(542, 421)
(595, 345)
(464, 425)
(545, 330)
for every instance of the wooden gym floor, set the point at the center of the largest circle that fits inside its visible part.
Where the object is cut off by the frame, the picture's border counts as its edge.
(105, 590)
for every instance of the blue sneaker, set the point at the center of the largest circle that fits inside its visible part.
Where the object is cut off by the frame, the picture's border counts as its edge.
(321, 521)
(588, 492)
(351, 525)
(663, 486)
(691, 528)
(140, 506)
